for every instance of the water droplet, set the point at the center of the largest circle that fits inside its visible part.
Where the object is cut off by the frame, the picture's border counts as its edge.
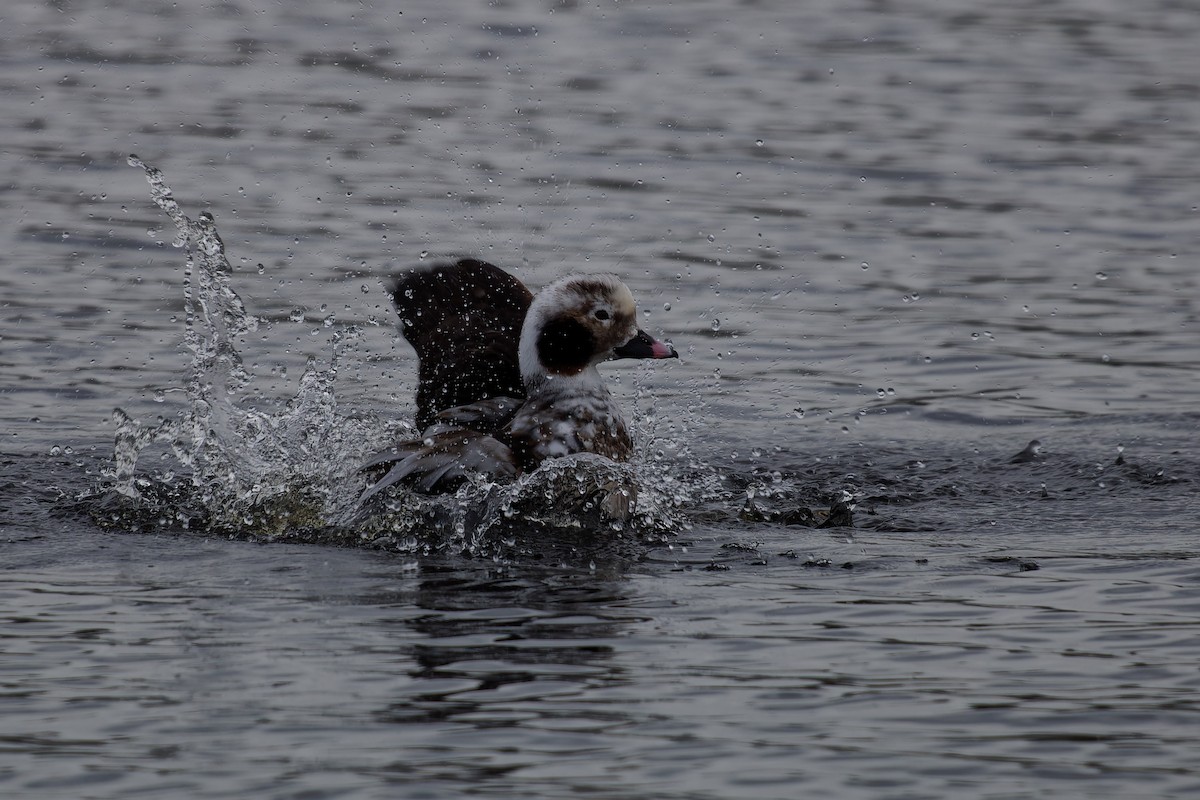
(865, 265)
(296, 315)
(716, 324)
(799, 412)
(759, 142)
(1100, 276)
(712, 238)
(1105, 358)
(365, 289)
(666, 306)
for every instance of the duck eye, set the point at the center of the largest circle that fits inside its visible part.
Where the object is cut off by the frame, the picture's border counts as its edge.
(601, 314)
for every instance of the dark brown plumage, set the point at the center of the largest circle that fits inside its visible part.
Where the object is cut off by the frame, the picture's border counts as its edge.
(464, 320)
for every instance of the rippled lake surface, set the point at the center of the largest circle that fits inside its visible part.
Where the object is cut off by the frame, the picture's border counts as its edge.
(894, 243)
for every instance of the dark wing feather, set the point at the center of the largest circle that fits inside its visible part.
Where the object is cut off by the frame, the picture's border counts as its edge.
(464, 320)
(486, 416)
(442, 461)
(460, 442)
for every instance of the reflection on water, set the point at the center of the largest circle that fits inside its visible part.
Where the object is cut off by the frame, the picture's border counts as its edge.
(493, 640)
(898, 242)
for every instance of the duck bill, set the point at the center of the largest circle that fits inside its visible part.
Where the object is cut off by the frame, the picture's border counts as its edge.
(643, 345)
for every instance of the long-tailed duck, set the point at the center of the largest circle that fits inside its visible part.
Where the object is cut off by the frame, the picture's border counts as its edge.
(506, 379)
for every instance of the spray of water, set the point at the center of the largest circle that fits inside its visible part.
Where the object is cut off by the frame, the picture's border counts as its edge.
(292, 471)
(246, 469)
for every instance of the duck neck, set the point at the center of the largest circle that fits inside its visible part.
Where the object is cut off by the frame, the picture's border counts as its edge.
(588, 382)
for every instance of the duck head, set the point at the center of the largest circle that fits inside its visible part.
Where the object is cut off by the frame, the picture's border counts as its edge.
(577, 322)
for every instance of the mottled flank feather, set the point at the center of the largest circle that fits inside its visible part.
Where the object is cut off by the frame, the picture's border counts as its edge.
(554, 424)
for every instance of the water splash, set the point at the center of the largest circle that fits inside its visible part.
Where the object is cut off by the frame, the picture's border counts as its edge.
(580, 498)
(244, 470)
(292, 472)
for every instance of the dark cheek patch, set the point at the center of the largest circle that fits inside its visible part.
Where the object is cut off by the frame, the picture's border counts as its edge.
(565, 346)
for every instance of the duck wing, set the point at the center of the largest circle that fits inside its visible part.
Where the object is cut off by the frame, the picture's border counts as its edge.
(442, 461)
(461, 441)
(464, 320)
(485, 416)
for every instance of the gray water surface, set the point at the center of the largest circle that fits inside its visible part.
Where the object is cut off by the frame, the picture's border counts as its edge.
(893, 242)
